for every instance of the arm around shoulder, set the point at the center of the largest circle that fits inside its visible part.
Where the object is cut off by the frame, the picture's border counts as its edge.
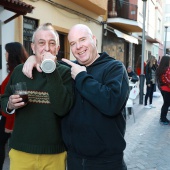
(60, 90)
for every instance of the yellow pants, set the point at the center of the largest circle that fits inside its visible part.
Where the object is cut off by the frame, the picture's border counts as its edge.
(26, 161)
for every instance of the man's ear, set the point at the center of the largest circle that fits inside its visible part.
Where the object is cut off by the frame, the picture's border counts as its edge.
(32, 47)
(58, 48)
(95, 40)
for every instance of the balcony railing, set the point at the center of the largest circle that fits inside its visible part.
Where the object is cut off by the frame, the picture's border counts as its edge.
(122, 9)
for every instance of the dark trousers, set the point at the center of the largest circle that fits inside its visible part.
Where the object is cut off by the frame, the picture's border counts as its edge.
(77, 163)
(3, 140)
(165, 106)
(149, 93)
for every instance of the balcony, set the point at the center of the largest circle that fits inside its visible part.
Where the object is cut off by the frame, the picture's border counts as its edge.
(96, 6)
(123, 15)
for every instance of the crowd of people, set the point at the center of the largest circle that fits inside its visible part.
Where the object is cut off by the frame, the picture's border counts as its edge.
(75, 115)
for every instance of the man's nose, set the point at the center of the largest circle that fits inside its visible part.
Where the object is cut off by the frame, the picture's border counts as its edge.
(47, 47)
(79, 45)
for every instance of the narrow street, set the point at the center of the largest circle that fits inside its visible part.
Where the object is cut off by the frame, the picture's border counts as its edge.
(148, 142)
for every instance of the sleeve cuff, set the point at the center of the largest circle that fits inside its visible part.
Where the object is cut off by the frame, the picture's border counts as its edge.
(10, 111)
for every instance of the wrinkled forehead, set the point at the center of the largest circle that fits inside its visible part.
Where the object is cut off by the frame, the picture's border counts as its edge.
(45, 35)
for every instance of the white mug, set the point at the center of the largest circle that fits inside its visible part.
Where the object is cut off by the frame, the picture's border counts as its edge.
(48, 66)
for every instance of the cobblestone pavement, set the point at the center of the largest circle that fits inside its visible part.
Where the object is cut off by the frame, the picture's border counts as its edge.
(148, 142)
(6, 163)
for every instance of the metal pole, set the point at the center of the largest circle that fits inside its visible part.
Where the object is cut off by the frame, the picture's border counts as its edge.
(142, 76)
(166, 27)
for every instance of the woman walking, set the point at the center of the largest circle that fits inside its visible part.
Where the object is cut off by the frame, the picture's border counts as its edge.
(150, 81)
(163, 79)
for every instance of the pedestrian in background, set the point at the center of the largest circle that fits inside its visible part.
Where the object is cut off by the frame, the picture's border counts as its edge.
(132, 75)
(94, 129)
(159, 60)
(150, 76)
(138, 66)
(138, 69)
(163, 78)
(36, 139)
(15, 54)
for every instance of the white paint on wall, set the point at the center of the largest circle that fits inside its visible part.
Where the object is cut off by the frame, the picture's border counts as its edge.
(46, 12)
(6, 36)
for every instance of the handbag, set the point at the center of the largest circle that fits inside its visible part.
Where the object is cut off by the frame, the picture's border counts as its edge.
(134, 93)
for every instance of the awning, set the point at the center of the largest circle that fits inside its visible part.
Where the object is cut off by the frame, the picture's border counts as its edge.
(120, 34)
(126, 37)
(16, 6)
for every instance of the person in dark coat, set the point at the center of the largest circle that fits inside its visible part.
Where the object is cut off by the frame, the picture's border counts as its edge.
(132, 75)
(93, 131)
(163, 80)
(150, 81)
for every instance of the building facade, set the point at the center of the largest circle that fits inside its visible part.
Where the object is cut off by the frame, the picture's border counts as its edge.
(125, 24)
(63, 14)
(166, 27)
(117, 25)
(10, 11)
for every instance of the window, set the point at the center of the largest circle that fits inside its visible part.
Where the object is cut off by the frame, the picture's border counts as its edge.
(167, 7)
(159, 25)
(64, 51)
(167, 19)
(29, 26)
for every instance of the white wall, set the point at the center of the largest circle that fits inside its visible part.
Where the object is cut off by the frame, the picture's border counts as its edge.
(155, 50)
(46, 12)
(7, 35)
(167, 23)
(151, 18)
(168, 38)
(140, 12)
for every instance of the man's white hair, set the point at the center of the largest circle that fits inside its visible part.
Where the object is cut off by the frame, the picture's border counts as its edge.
(46, 27)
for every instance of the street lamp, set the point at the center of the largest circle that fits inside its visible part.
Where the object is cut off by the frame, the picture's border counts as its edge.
(166, 27)
(142, 76)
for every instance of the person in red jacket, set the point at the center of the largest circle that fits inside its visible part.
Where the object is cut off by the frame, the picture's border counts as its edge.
(15, 54)
(138, 66)
(163, 79)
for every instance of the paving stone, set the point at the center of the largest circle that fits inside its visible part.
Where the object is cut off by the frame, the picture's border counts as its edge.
(147, 140)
